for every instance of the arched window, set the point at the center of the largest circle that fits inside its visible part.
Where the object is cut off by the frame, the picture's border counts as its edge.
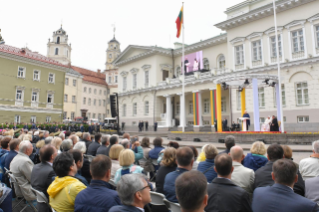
(56, 51)
(206, 64)
(58, 40)
(110, 55)
(221, 62)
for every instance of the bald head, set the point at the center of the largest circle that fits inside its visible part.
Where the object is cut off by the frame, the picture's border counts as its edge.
(237, 153)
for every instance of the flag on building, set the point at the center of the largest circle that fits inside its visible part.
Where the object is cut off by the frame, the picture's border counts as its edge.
(179, 22)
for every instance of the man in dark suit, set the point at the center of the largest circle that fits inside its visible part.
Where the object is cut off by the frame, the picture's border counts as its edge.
(263, 176)
(94, 145)
(104, 143)
(91, 128)
(14, 126)
(87, 140)
(146, 125)
(225, 124)
(25, 126)
(274, 127)
(155, 126)
(223, 194)
(42, 173)
(215, 125)
(82, 128)
(280, 196)
(14, 148)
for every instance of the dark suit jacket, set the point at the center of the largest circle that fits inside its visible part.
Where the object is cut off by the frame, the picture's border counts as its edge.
(124, 208)
(93, 148)
(224, 195)
(41, 177)
(263, 178)
(102, 150)
(9, 158)
(82, 129)
(281, 198)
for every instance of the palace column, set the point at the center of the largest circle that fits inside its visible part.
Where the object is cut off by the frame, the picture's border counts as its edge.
(168, 110)
(243, 102)
(181, 110)
(219, 107)
(256, 104)
(197, 108)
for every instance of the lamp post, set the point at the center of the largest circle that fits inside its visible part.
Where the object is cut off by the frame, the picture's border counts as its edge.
(278, 67)
(1, 39)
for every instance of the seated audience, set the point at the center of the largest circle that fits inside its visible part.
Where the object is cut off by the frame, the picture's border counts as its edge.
(201, 157)
(157, 142)
(263, 175)
(114, 155)
(113, 140)
(79, 160)
(256, 159)
(42, 174)
(223, 194)
(145, 162)
(56, 142)
(309, 167)
(95, 145)
(207, 167)
(195, 152)
(74, 139)
(98, 196)
(280, 196)
(65, 187)
(21, 167)
(185, 159)
(137, 149)
(66, 145)
(48, 139)
(14, 149)
(173, 144)
(241, 176)
(288, 153)
(229, 143)
(168, 165)
(80, 146)
(62, 136)
(87, 139)
(134, 192)
(85, 171)
(102, 150)
(126, 159)
(3, 154)
(312, 189)
(196, 200)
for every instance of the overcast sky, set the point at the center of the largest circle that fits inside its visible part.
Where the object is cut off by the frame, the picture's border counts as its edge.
(88, 24)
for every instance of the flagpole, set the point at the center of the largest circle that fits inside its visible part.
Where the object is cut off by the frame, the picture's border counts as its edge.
(278, 67)
(183, 68)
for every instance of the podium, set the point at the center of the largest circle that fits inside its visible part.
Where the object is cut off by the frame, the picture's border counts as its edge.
(244, 119)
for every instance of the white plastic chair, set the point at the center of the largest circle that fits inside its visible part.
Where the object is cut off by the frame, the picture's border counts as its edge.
(41, 198)
(111, 181)
(157, 198)
(174, 207)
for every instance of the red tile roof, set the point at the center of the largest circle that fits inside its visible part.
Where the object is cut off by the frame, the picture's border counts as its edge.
(91, 76)
(26, 53)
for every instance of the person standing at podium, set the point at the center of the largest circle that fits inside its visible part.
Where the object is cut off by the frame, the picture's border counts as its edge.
(246, 115)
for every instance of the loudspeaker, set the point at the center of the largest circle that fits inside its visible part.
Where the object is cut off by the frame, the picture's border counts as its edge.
(221, 140)
(178, 139)
(197, 140)
(113, 105)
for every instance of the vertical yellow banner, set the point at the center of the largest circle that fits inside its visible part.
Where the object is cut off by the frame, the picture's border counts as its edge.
(219, 107)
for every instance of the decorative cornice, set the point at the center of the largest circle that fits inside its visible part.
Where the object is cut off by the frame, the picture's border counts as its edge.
(29, 109)
(272, 29)
(313, 18)
(124, 73)
(295, 23)
(35, 89)
(134, 70)
(50, 92)
(236, 40)
(259, 13)
(166, 67)
(255, 34)
(146, 67)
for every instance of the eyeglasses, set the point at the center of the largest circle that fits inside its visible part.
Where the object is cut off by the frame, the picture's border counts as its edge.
(143, 188)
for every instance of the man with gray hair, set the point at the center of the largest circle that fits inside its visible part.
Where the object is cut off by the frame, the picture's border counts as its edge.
(102, 150)
(241, 176)
(21, 167)
(62, 135)
(66, 145)
(134, 192)
(87, 139)
(229, 143)
(45, 134)
(309, 167)
(48, 140)
(74, 139)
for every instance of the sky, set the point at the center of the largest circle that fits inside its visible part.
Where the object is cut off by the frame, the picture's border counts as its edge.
(89, 24)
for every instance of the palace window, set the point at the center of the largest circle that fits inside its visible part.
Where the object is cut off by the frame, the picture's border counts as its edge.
(104, 103)
(317, 35)
(256, 48)
(221, 62)
(297, 41)
(239, 53)
(89, 102)
(65, 115)
(238, 100)
(134, 80)
(283, 96)
(134, 109)
(65, 98)
(36, 75)
(48, 119)
(94, 102)
(273, 46)
(302, 93)
(19, 95)
(84, 100)
(90, 90)
(84, 90)
(73, 99)
(67, 83)
(146, 78)
(124, 83)
(17, 119)
(146, 108)
(50, 98)
(110, 79)
(206, 105)
(115, 79)
(178, 108)
(94, 91)
(223, 104)
(34, 97)
(74, 82)
(206, 64)
(56, 51)
(100, 102)
(303, 119)
(261, 97)
(51, 78)
(72, 115)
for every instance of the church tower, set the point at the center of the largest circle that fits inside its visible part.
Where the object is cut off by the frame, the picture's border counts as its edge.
(58, 48)
(112, 52)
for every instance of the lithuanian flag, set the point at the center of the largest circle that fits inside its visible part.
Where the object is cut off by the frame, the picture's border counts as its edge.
(179, 23)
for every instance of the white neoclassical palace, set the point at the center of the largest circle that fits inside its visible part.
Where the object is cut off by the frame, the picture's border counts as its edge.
(150, 84)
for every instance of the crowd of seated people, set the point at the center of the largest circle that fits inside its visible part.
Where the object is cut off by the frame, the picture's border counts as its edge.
(107, 173)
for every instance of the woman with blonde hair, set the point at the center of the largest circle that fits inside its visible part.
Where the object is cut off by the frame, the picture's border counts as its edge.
(202, 156)
(114, 155)
(168, 165)
(127, 159)
(256, 158)
(56, 142)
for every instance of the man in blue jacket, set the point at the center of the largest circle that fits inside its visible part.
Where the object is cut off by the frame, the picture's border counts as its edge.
(99, 195)
(134, 192)
(281, 196)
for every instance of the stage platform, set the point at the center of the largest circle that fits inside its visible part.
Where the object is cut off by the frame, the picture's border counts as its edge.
(301, 138)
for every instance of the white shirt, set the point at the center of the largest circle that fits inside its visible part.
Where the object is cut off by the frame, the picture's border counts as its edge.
(141, 209)
(309, 167)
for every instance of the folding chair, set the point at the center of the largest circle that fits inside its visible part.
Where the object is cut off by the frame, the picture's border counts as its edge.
(41, 198)
(14, 183)
(89, 157)
(173, 207)
(158, 202)
(112, 183)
